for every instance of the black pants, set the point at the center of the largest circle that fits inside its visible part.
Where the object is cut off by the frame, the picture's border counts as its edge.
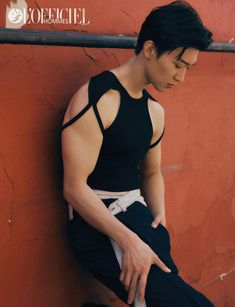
(95, 251)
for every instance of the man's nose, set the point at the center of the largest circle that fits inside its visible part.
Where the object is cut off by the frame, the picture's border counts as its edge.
(179, 77)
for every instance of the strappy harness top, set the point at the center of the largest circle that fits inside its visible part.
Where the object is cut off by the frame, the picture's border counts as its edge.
(125, 141)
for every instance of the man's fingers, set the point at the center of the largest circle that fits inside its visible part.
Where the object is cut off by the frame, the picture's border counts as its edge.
(121, 277)
(156, 221)
(161, 265)
(127, 279)
(142, 285)
(133, 287)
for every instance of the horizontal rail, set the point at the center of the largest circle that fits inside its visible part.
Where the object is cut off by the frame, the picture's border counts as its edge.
(74, 39)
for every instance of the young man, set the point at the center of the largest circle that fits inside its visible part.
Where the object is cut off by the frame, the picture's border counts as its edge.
(112, 154)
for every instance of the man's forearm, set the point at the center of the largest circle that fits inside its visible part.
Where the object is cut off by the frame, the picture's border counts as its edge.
(153, 191)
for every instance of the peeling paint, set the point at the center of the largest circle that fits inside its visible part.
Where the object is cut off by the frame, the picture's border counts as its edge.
(220, 277)
(89, 55)
(172, 168)
(12, 188)
(126, 13)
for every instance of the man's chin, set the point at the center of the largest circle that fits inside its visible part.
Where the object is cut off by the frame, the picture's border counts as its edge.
(162, 89)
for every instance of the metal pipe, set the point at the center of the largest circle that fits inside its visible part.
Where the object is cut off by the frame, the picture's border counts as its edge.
(74, 39)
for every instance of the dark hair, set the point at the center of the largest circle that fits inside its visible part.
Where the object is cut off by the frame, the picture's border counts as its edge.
(172, 26)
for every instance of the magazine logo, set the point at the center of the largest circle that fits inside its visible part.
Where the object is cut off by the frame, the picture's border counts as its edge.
(15, 16)
(48, 16)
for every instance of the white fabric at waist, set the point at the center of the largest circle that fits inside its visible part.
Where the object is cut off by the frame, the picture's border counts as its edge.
(124, 198)
(109, 194)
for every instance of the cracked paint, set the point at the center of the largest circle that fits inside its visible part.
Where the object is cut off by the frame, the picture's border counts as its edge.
(89, 55)
(9, 201)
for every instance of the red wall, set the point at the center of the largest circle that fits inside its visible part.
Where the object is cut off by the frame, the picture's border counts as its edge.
(37, 267)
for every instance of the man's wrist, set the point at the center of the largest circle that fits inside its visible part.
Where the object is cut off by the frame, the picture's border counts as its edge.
(124, 238)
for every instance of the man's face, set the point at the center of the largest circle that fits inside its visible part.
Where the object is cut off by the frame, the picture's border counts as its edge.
(167, 71)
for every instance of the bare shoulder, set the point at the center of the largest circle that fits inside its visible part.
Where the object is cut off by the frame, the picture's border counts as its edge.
(107, 105)
(156, 108)
(78, 102)
(157, 115)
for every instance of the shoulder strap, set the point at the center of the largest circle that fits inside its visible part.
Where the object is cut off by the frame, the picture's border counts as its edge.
(149, 96)
(76, 117)
(155, 143)
(94, 94)
(98, 85)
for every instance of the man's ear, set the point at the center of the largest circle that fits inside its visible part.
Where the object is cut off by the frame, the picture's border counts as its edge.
(149, 49)
(154, 50)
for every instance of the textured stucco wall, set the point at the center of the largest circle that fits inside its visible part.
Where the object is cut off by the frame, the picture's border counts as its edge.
(37, 268)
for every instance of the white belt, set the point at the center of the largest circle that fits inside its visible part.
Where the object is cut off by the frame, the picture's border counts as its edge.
(123, 201)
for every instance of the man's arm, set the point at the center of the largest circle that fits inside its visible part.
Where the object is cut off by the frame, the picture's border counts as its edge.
(81, 143)
(152, 183)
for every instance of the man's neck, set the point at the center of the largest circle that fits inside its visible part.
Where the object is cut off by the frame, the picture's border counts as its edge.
(132, 76)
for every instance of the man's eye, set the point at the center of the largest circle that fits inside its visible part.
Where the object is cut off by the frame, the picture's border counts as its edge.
(178, 67)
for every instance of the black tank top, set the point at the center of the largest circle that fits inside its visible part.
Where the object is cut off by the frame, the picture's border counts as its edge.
(125, 141)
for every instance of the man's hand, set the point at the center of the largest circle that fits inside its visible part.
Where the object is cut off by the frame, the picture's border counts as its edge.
(136, 263)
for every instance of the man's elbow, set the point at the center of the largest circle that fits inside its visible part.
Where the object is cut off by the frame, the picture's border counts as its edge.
(66, 194)
(151, 173)
(71, 191)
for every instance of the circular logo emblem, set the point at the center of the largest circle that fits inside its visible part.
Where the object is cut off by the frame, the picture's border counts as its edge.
(15, 16)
